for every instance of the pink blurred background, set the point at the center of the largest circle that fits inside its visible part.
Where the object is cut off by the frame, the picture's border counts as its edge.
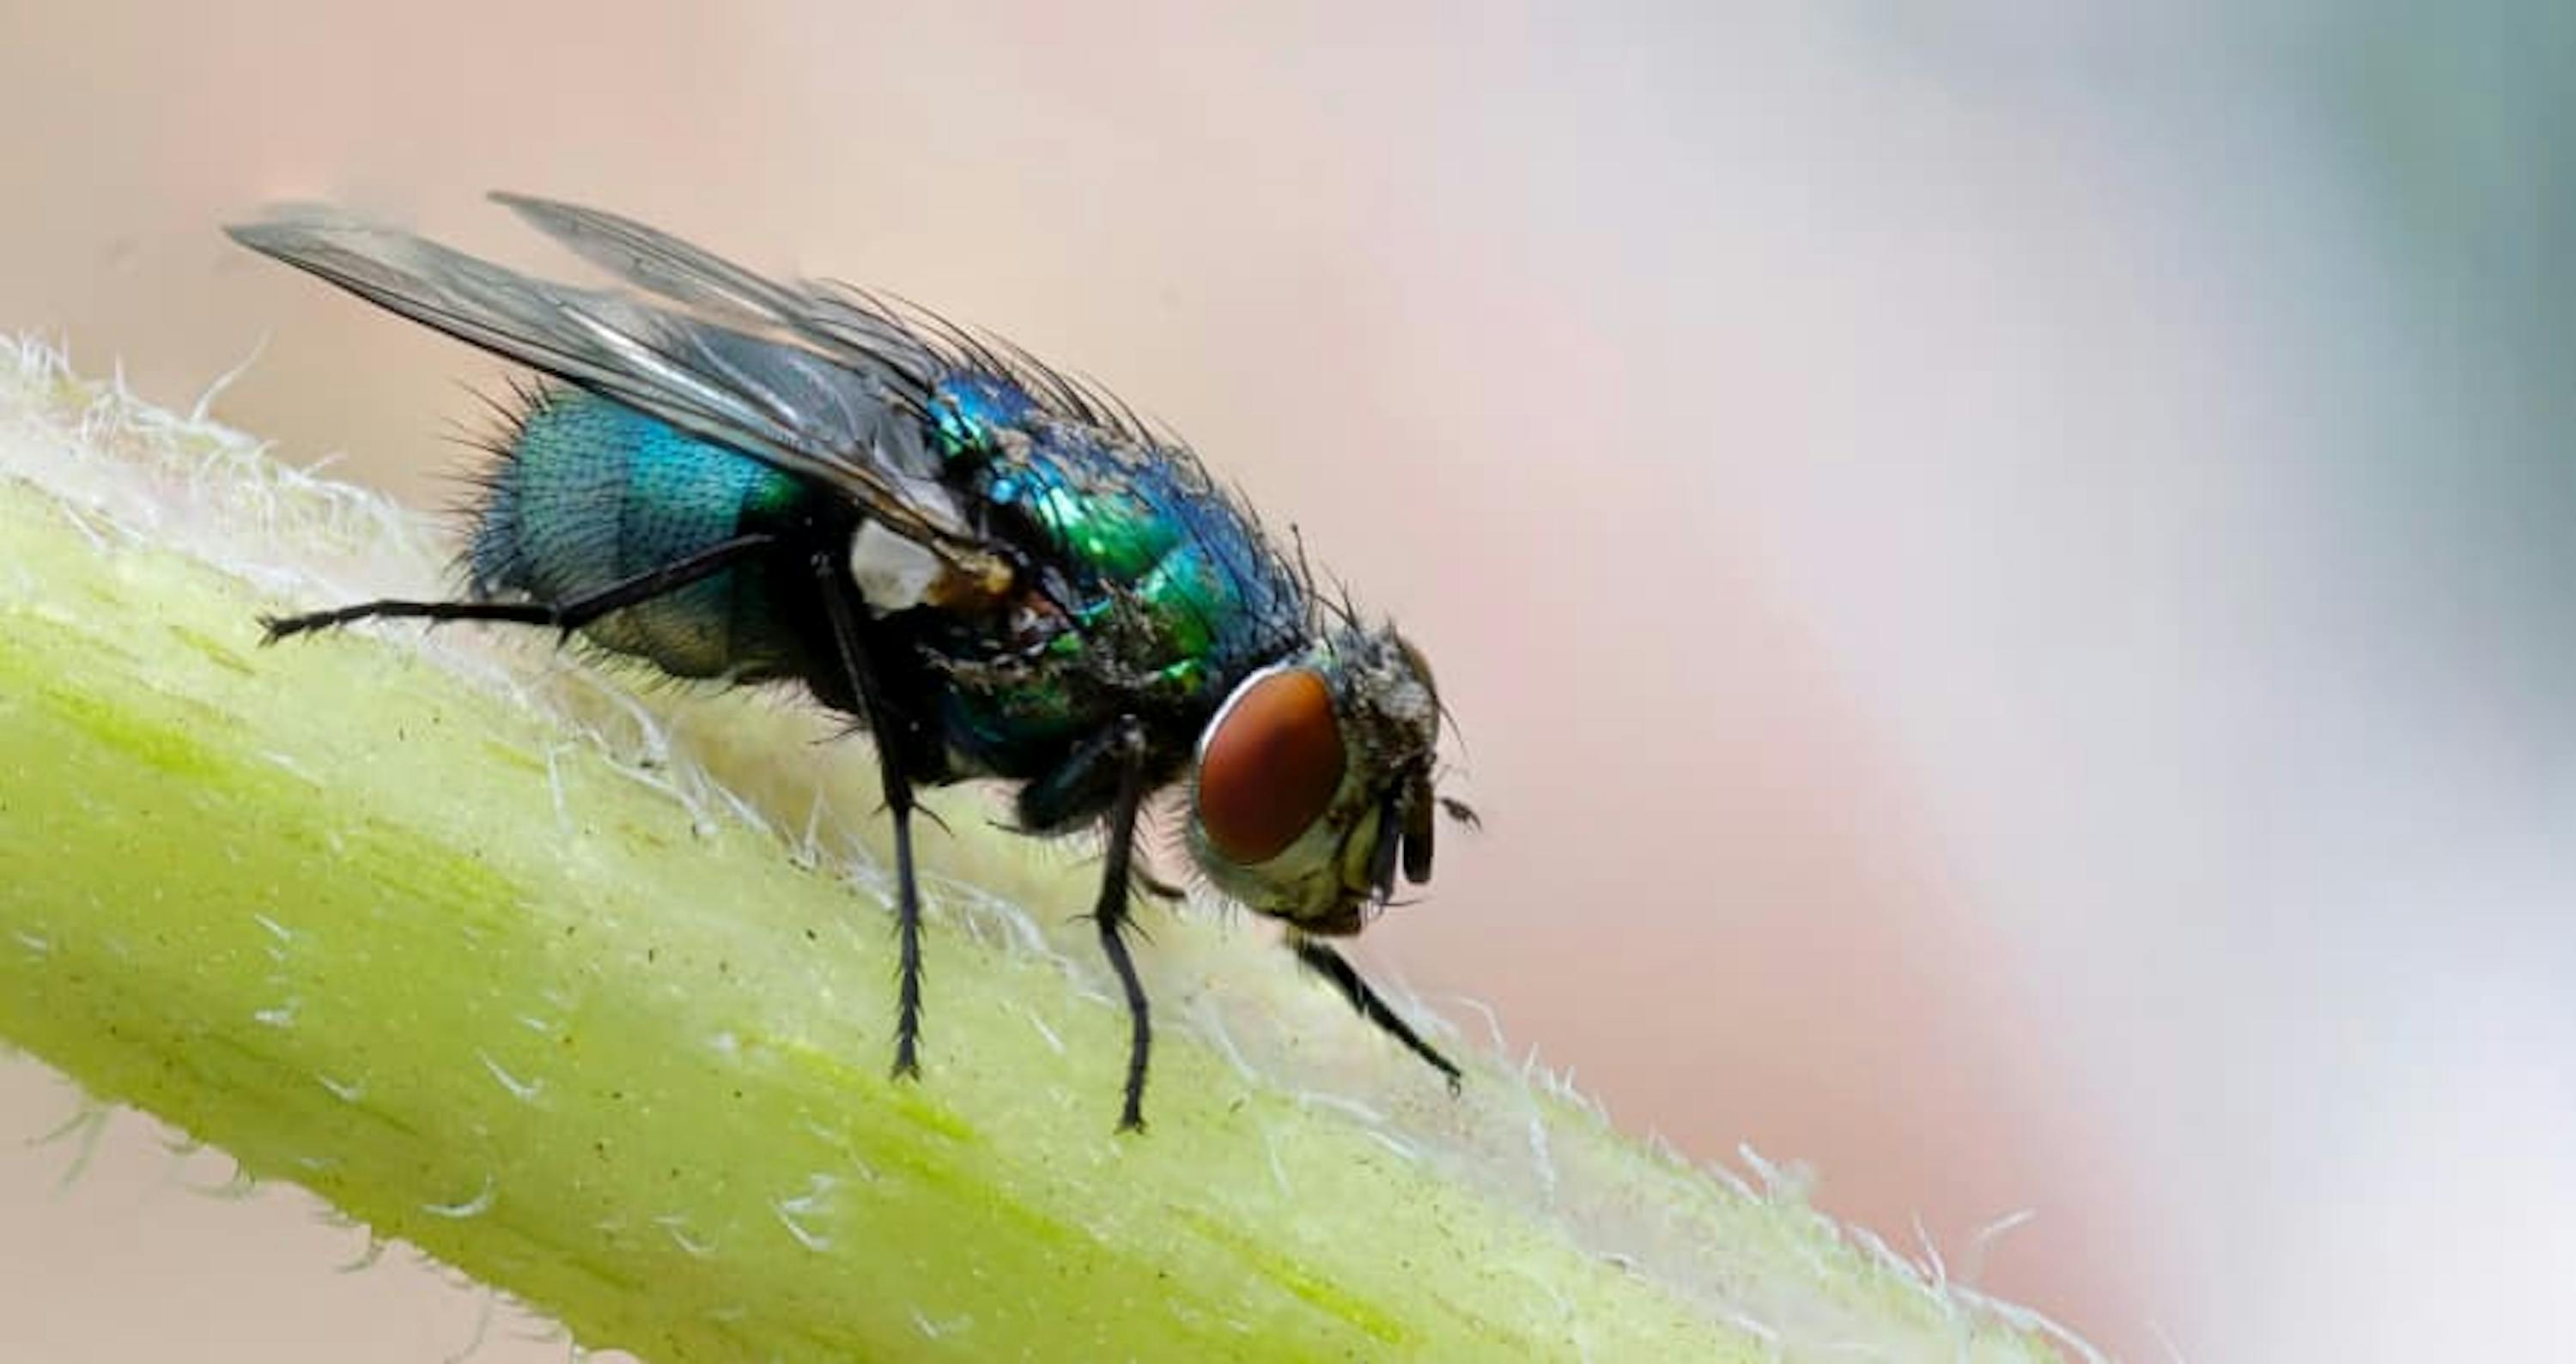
(2003, 565)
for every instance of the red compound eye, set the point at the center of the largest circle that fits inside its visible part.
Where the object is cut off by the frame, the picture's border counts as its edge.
(1270, 766)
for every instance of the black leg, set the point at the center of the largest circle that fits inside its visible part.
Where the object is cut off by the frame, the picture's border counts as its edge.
(1111, 916)
(567, 616)
(1104, 779)
(886, 733)
(1326, 962)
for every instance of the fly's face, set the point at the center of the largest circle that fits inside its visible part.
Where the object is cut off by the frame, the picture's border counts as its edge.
(1313, 784)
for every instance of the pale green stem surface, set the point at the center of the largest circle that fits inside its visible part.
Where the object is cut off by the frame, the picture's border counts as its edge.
(482, 952)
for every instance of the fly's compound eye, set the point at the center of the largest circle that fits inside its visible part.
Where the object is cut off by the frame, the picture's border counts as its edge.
(1270, 765)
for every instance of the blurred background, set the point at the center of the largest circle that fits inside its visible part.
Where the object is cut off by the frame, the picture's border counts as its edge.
(2003, 565)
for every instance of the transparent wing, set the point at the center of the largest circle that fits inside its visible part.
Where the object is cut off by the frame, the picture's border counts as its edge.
(659, 263)
(843, 411)
(838, 321)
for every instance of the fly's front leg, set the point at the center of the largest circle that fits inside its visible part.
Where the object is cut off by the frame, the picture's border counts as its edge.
(886, 732)
(1332, 966)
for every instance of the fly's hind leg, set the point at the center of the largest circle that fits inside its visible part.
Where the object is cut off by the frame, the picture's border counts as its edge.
(568, 615)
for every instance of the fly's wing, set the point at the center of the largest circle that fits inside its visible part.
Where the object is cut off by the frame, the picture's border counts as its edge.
(659, 263)
(833, 318)
(847, 420)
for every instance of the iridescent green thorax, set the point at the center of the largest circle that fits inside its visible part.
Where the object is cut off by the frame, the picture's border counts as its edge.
(1162, 593)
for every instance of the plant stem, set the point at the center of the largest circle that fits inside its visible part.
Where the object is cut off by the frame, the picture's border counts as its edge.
(397, 923)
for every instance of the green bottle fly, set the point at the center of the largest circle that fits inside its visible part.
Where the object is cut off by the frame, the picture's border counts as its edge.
(997, 570)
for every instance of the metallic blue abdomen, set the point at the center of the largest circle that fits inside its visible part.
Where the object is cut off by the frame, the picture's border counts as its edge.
(592, 492)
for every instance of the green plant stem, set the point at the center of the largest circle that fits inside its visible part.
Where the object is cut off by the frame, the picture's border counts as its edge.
(381, 927)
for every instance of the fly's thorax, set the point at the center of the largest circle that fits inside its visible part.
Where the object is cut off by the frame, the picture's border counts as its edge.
(1313, 782)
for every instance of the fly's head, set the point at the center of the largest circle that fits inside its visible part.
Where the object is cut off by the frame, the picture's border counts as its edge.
(1313, 785)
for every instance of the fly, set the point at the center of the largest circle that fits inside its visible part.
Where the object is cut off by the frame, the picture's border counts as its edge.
(994, 568)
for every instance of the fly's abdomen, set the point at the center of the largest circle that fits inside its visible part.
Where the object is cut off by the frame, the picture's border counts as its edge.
(592, 493)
